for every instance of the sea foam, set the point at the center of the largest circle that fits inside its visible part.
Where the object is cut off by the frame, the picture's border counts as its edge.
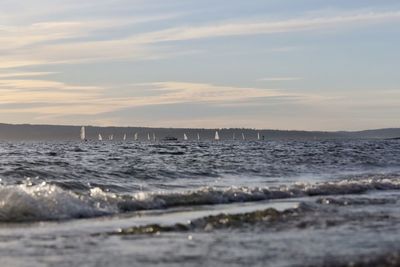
(19, 203)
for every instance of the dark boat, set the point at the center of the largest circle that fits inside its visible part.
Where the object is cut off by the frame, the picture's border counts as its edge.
(170, 138)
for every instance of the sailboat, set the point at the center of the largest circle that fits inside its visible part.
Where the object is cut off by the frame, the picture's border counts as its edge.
(148, 137)
(154, 137)
(83, 133)
(216, 136)
(100, 138)
(185, 137)
(136, 137)
(111, 137)
(244, 138)
(258, 137)
(198, 137)
(124, 137)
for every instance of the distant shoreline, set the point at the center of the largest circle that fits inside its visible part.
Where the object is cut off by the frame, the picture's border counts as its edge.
(26, 132)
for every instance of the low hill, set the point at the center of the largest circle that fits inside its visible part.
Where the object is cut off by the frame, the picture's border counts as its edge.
(27, 132)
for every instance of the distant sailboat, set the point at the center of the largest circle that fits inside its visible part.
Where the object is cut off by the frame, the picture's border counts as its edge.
(216, 136)
(198, 137)
(100, 137)
(111, 137)
(258, 137)
(136, 136)
(83, 133)
(243, 137)
(154, 137)
(148, 137)
(185, 137)
(124, 137)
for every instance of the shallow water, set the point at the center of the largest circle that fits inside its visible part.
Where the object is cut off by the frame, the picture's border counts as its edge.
(317, 203)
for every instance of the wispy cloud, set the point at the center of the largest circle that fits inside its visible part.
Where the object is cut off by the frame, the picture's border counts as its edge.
(264, 27)
(8, 75)
(279, 79)
(53, 98)
(78, 41)
(50, 42)
(181, 92)
(46, 101)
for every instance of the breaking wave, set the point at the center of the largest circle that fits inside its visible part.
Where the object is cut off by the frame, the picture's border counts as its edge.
(20, 203)
(26, 203)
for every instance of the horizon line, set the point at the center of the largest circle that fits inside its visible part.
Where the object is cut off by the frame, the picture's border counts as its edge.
(196, 128)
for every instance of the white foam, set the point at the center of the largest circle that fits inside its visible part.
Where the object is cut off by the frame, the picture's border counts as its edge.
(42, 202)
(50, 202)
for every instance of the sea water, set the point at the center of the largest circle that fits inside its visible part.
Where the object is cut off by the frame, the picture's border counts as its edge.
(280, 203)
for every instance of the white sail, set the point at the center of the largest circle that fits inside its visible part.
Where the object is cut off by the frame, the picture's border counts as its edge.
(83, 133)
(216, 136)
(185, 137)
(124, 137)
(198, 137)
(258, 137)
(148, 137)
(136, 136)
(100, 137)
(244, 138)
(154, 137)
(111, 137)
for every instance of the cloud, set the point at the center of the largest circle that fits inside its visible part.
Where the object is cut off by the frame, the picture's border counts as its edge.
(180, 92)
(52, 98)
(8, 75)
(174, 92)
(53, 42)
(280, 79)
(225, 29)
(47, 101)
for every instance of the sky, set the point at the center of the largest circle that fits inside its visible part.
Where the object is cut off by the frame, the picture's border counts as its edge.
(265, 64)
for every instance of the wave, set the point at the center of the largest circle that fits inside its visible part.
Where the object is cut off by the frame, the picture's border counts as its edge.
(212, 222)
(22, 203)
(344, 201)
(26, 202)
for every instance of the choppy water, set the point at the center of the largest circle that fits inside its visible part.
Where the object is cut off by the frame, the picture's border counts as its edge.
(317, 203)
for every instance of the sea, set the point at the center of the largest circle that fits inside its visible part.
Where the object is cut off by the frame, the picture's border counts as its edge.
(227, 203)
